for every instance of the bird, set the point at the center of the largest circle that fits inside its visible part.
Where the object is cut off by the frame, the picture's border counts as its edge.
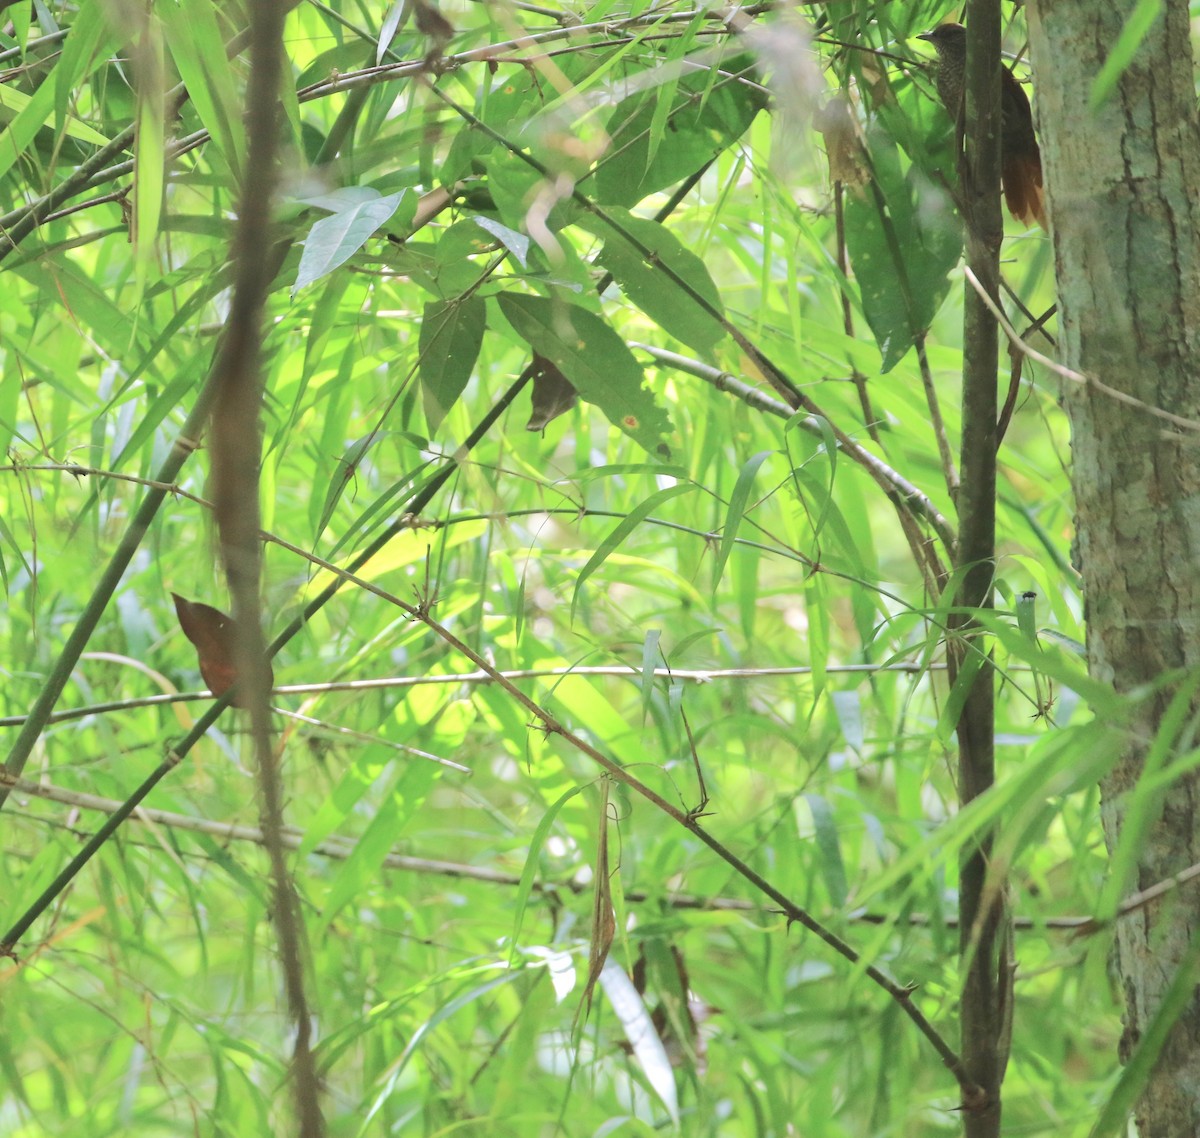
(1020, 156)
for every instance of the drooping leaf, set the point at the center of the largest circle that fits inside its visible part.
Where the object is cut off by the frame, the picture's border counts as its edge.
(213, 634)
(451, 336)
(703, 122)
(552, 394)
(594, 360)
(902, 245)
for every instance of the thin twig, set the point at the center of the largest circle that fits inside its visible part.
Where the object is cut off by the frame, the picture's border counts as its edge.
(339, 847)
(890, 481)
(387, 683)
(1079, 377)
(949, 471)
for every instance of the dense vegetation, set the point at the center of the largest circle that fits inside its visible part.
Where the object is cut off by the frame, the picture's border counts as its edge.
(728, 570)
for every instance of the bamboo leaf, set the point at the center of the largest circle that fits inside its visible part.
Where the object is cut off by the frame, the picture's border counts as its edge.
(620, 532)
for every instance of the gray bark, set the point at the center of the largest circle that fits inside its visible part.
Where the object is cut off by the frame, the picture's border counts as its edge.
(1123, 184)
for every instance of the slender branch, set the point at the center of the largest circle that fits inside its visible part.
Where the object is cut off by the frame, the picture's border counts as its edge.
(338, 847)
(236, 448)
(1069, 374)
(936, 422)
(388, 683)
(986, 981)
(892, 482)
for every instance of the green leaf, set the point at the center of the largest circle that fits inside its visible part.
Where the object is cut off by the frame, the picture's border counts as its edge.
(1026, 607)
(451, 336)
(1153, 1035)
(700, 127)
(621, 531)
(29, 114)
(641, 278)
(150, 155)
(595, 360)
(393, 813)
(650, 653)
(196, 45)
(83, 52)
(358, 212)
(529, 871)
(516, 243)
(833, 869)
(902, 252)
(737, 509)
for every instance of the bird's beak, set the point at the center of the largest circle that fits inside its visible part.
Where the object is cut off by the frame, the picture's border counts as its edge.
(925, 36)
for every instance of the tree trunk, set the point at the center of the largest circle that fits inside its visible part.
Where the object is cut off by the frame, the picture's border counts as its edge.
(1122, 182)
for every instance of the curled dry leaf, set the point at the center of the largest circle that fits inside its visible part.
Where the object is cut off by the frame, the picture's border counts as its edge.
(212, 634)
(844, 144)
(553, 394)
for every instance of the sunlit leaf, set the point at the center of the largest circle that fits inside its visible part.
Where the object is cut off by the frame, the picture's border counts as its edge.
(595, 360)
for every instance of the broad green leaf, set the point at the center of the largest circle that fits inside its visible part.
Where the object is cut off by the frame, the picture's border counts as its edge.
(902, 249)
(451, 336)
(692, 317)
(700, 127)
(596, 361)
(359, 211)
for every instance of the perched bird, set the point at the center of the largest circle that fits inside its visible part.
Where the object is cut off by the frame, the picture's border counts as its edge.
(1020, 157)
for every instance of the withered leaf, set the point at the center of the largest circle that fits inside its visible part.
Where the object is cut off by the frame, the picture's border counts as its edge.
(212, 634)
(604, 921)
(553, 394)
(844, 145)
